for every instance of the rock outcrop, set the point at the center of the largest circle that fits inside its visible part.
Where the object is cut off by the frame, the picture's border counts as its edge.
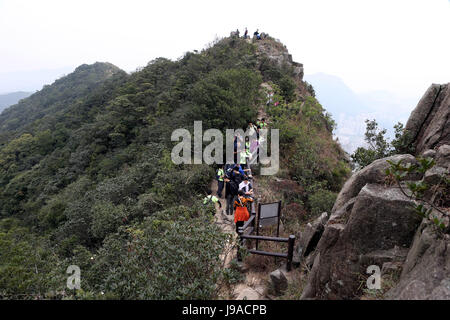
(381, 220)
(429, 123)
(278, 53)
(373, 223)
(426, 271)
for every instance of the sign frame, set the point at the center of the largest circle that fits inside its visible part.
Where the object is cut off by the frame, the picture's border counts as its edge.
(259, 218)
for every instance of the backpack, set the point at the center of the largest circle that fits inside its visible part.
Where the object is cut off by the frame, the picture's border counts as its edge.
(233, 187)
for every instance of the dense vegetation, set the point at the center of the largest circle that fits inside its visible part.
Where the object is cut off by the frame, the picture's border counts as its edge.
(310, 155)
(86, 177)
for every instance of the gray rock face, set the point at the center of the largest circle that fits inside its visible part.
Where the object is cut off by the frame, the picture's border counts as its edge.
(429, 153)
(309, 239)
(371, 223)
(434, 175)
(373, 173)
(429, 123)
(311, 236)
(278, 53)
(426, 272)
(381, 222)
(443, 156)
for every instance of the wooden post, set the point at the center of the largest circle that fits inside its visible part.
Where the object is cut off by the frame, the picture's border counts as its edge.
(291, 242)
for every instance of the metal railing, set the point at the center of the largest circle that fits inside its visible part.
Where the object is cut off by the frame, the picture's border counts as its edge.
(245, 233)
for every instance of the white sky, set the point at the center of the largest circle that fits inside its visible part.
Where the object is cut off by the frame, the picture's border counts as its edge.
(395, 45)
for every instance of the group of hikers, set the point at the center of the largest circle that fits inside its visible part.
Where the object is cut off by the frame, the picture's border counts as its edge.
(256, 34)
(236, 178)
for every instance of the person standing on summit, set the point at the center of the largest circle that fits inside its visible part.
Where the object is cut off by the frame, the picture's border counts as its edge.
(245, 33)
(256, 34)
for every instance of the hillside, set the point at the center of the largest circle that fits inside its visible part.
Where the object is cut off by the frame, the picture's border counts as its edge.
(86, 176)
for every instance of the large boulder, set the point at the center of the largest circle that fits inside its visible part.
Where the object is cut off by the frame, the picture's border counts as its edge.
(428, 125)
(380, 221)
(373, 173)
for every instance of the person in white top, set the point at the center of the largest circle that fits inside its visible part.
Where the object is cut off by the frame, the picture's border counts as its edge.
(246, 187)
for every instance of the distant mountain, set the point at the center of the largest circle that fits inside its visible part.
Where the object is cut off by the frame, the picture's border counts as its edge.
(31, 80)
(335, 95)
(54, 101)
(9, 99)
(351, 109)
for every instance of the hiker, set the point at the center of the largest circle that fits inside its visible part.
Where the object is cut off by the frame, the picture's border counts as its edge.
(269, 98)
(237, 33)
(245, 155)
(256, 34)
(254, 145)
(211, 199)
(246, 33)
(231, 190)
(246, 187)
(220, 183)
(251, 129)
(236, 145)
(262, 124)
(241, 213)
(229, 170)
(241, 170)
(238, 174)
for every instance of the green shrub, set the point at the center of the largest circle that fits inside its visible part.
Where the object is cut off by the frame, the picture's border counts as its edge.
(140, 263)
(321, 201)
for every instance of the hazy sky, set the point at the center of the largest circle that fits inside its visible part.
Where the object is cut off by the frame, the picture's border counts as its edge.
(401, 46)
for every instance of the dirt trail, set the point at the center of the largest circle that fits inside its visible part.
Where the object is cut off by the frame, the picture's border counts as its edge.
(254, 287)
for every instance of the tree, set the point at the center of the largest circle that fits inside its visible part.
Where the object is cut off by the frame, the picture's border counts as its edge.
(378, 146)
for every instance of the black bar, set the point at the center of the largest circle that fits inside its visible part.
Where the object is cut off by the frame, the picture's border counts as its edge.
(250, 230)
(290, 252)
(264, 238)
(248, 222)
(257, 224)
(240, 243)
(271, 254)
(279, 216)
